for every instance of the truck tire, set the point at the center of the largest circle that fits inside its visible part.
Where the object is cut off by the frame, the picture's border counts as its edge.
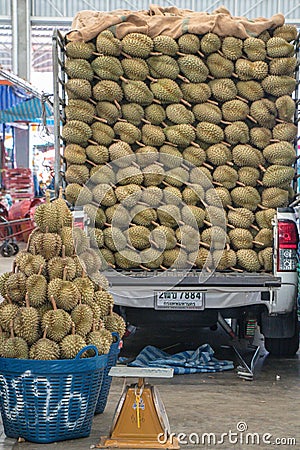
(283, 347)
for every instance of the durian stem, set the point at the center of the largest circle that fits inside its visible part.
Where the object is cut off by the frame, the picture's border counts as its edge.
(155, 100)
(251, 118)
(220, 53)
(145, 268)
(180, 54)
(166, 184)
(195, 144)
(261, 168)
(216, 183)
(226, 143)
(140, 144)
(11, 327)
(53, 303)
(208, 166)
(210, 77)
(73, 329)
(155, 223)
(207, 223)
(154, 244)
(63, 251)
(154, 80)
(234, 75)
(126, 55)
(181, 245)
(185, 167)
(146, 121)
(212, 102)
(155, 53)
(182, 78)
(261, 206)
(259, 182)
(227, 247)
(135, 164)
(40, 270)
(230, 226)
(92, 101)
(254, 227)
(186, 103)
(204, 244)
(91, 162)
(230, 163)
(123, 79)
(280, 120)
(65, 274)
(92, 142)
(45, 332)
(100, 119)
(117, 104)
(225, 122)
(242, 99)
(171, 144)
(207, 269)
(164, 124)
(231, 208)
(122, 120)
(163, 268)
(191, 263)
(200, 53)
(234, 269)
(107, 224)
(111, 265)
(275, 140)
(239, 183)
(258, 243)
(8, 299)
(159, 163)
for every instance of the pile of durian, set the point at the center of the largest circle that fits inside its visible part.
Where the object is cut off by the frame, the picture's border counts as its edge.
(51, 308)
(158, 130)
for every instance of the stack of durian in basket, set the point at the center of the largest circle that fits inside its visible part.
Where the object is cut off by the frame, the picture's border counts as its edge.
(52, 308)
(220, 104)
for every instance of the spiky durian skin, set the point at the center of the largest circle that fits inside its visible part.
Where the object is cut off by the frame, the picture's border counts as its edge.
(26, 324)
(44, 349)
(102, 339)
(82, 316)
(58, 324)
(115, 323)
(71, 345)
(8, 312)
(15, 347)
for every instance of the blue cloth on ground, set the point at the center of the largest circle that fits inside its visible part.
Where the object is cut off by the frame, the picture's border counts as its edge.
(190, 361)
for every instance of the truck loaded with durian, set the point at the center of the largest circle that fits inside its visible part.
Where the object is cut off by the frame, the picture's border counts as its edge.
(179, 135)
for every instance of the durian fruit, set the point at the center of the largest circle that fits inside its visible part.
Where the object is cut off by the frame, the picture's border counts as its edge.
(177, 176)
(133, 113)
(77, 173)
(153, 175)
(232, 47)
(102, 174)
(287, 32)
(14, 347)
(247, 197)
(127, 259)
(130, 175)
(153, 135)
(277, 47)
(169, 215)
(27, 322)
(282, 66)
(129, 194)
(79, 68)
(79, 88)
(107, 44)
(225, 175)
(15, 286)
(3, 277)
(48, 215)
(219, 67)
(76, 132)
(82, 317)
(189, 43)
(279, 85)
(137, 92)
(107, 67)
(274, 197)
(189, 237)
(48, 245)
(101, 338)
(264, 112)
(102, 134)
(109, 91)
(192, 194)
(265, 258)
(248, 176)
(165, 45)
(107, 259)
(74, 154)
(179, 114)
(182, 135)
(218, 154)
(85, 287)
(80, 110)
(193, 68)
(81, 241)
(245, 155)
(146, 155)
(66, 235)
(172, 195)
(77, 194)
(260, 137)
(166, 91)
(240, 238)
(247, 259)
(104, 300)
(202, 176)
(137, 44)
(152, 196)
(207, 112)
(278, 176)
(90, 260)
(286, 107)
(138, 237)
(66, 294)
(264, 36)
(240, 217)
(141, 215)
(282, 153)
(201, 258)
(114, 239)
(71, 344)
(104, 195)
(80, 49)
(175, 258)
(135, 68)
(285, 132)
(155, 114)
(118, 215)
(36, 288)
(234, 110)
(265, 217)
(96, 237)
(29, 264)
(170, 157)
(163, 237)
(237, 133)
(152, 258)
(195, 92)
(215, 237)
(224, 259)
(58, 264)
(127, 132)
(250, 90)
(108, 111)
(210, 43)
(8, 312)
(264, 238)
(115, 323)
(248, 70)
(193, 214)
(194, 155)
(98, 154)
(163, 67)
(44, 349)
(255, 49)
(61, 204)
(223, 89)
(209, 132)
(215, 215)
(218, 196)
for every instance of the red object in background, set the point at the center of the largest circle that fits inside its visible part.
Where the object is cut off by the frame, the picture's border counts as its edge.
(23, 209)
(18, 182)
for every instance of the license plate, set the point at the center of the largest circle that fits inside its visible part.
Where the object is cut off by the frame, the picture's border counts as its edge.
(179, 300)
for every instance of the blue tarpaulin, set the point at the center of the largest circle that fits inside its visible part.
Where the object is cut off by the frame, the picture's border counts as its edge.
(26, 111)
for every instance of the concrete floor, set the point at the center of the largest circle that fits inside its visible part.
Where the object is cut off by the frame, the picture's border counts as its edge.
(218, 403)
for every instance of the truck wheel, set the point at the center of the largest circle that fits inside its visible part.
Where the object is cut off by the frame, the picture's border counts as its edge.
(283, 347)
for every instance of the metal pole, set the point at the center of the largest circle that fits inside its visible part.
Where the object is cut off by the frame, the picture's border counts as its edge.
(56, 110)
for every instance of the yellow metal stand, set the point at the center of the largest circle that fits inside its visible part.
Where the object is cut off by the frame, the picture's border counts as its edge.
(140, 421)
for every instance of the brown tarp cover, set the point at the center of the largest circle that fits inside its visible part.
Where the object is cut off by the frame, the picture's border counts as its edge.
(168, 21)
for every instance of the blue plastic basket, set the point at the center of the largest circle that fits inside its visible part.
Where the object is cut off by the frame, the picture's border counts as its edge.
(112, 360)
(49, 401)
